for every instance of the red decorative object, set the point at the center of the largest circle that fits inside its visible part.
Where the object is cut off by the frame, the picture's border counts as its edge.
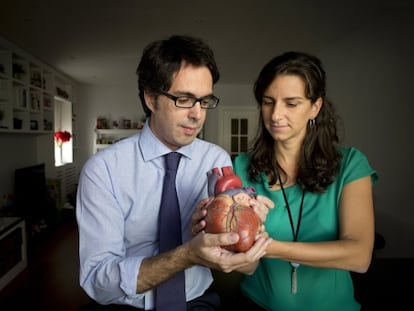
(230, 210)
(62, 137)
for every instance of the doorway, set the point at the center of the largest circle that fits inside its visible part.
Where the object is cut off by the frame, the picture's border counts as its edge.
(238, 126)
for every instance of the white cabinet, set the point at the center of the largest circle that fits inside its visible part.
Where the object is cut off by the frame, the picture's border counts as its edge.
(13, 246)
(107, 137)
(27, 91)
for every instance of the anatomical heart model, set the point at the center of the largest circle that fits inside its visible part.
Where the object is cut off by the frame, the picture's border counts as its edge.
(230, 210)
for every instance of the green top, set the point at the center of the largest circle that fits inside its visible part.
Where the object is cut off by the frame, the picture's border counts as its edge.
(317, 288)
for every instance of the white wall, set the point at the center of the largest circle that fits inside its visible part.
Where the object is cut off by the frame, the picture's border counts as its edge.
(370, 80)
(112, 102)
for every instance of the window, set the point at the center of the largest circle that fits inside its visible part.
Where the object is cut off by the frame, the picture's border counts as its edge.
(238, 136)
(239, 126)
(63, 122)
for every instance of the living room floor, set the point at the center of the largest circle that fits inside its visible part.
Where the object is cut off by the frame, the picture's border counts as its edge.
(51, 281)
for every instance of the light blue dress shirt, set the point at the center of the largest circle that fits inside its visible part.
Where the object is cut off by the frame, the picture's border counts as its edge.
(118, 200)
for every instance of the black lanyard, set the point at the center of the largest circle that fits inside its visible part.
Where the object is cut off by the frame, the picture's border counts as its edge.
(295, 233)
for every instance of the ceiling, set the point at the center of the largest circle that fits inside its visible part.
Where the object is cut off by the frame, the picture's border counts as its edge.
(100, 41)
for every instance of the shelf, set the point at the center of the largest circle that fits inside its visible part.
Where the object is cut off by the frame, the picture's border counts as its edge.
(28, 89)
(117, 131)
(106, 137)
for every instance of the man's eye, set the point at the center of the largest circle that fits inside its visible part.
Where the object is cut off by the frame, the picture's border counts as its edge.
(184, 100)
(291, 104)
(205, 101)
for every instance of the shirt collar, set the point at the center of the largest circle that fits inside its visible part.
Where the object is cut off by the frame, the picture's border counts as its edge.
(151, 147)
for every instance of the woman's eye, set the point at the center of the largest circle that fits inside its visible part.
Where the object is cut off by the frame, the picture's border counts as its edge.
(267, 102)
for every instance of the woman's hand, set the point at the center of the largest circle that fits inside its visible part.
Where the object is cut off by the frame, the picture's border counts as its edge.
(261, 205)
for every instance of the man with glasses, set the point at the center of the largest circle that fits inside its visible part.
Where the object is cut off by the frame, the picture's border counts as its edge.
(120, 190)
(188, 101)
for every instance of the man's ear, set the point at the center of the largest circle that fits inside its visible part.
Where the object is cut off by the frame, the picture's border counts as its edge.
(149, 101)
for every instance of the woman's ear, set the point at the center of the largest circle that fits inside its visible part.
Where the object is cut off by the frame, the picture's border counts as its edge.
(316, 107)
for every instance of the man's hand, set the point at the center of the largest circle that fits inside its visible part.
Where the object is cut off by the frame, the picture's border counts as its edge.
(207, 249)
(198, 223)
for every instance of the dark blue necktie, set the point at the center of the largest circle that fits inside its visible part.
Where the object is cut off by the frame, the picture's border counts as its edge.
(170, 295)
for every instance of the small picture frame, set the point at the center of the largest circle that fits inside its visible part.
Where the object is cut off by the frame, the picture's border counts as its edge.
(126, 124)
(34, 125)
(101, 123)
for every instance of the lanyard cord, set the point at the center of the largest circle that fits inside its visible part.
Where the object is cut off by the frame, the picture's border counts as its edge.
(295, 233)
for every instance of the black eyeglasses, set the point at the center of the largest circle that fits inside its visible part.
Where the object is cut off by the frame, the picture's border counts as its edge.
(206, 102)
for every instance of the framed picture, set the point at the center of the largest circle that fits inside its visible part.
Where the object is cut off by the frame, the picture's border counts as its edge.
(127, 124)
(34, 125)
(101, 123)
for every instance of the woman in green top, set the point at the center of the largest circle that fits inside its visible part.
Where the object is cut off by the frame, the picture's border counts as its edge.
(322, 224)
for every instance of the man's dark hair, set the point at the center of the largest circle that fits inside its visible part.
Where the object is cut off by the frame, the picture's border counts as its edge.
(163, 58)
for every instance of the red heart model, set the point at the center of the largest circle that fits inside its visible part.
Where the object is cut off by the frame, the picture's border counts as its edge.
(228, 180)
(230, 210)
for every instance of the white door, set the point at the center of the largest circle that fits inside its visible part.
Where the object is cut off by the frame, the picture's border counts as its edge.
(238, 126)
